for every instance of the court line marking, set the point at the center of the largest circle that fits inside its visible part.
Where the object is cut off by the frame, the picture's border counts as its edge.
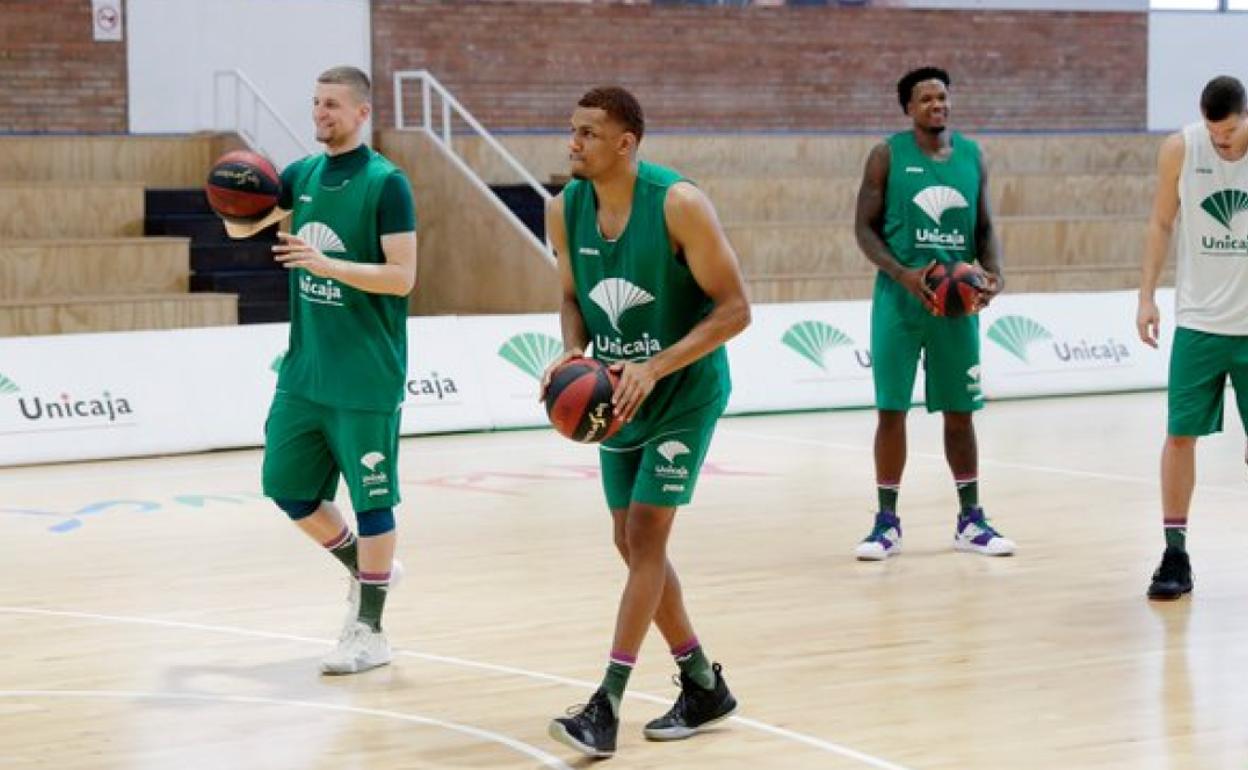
(1150, 481)
(547, 760)
(780, 732)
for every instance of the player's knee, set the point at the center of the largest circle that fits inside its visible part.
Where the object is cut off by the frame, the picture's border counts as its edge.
(297, 509)
(621, 544)
(378, 521)
(1185, 443)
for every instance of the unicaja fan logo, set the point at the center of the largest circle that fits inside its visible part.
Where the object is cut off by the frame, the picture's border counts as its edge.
(374, 477)
(371, 460)
(531, 352)
(1016, 333)
(1223, 205)
(617, 296)
(669, 451)
(934, 201)
(7, 386)
(813, 339)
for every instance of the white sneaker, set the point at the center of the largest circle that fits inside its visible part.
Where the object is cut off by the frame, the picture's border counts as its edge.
(884, 540)
(360, 649)
(975, 534)
(353, 595)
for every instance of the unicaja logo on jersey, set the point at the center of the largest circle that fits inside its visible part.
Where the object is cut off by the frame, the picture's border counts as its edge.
(1016, 333)
(371, 460)
(1223, 205)
(322, 291)
(531, 352)
(934, 201)
(615, 297)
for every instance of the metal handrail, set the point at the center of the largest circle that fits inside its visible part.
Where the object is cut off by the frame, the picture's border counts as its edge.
(429, 84)
(252, 137)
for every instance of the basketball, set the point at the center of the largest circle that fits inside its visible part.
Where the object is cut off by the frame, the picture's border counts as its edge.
(578, 400)
(243, 185)
(955, 288)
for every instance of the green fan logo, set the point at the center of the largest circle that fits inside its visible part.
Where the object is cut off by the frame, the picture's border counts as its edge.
(813, 339)
(531, 352)
(7, 386)
(1016, 334)
(1223, 205)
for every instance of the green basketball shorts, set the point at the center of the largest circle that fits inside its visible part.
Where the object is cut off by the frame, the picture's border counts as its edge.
(663, 469)
(1200, 363)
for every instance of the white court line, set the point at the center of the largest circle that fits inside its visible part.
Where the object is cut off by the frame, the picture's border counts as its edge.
(1148, 480)
(791, 735)
(547, 760)
(22, 473)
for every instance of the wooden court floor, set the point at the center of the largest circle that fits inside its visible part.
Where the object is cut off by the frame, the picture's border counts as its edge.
(160, 614)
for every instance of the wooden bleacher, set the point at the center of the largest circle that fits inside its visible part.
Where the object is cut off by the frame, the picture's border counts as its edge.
(72, 255)
(1070, 208)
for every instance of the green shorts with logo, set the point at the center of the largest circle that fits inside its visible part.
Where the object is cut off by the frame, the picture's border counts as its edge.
(663, 468)
(902, 332)
(308, 445)
(1200, 362)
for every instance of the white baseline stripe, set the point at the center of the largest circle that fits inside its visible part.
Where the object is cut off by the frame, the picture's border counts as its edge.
(547, 760)
(780, 732)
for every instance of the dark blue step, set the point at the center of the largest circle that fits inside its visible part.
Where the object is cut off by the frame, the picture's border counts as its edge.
(271, 285)
(526, 204)
(161, 201)
(250, 254)
(262, 311)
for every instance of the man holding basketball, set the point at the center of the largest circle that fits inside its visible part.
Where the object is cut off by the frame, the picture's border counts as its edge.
(1202, 179)
(352, 262)
(923, 201)
(650, 279)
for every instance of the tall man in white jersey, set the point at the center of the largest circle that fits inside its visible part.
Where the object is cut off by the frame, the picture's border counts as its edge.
(1202, 174)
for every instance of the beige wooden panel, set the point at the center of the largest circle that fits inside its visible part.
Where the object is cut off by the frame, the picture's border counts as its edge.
(474, 256)
(86, 267)
(824, 200)
(117, 313)
(771, 156)
(1032, 241)
(70, 210)
(156, 161)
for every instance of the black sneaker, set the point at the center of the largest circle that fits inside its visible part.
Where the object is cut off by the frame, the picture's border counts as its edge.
(696, 708)
(1173, 577)
(590, 729)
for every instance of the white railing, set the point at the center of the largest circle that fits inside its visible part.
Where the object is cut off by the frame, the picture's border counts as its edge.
(450, 107)
(239, 106)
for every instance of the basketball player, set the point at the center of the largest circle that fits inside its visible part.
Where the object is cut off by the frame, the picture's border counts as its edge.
(649, 277)
(924, 200)
(352, 262)
(1202, 178)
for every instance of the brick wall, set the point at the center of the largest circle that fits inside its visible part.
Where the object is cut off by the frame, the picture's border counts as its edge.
(56, 78)
(522, 66)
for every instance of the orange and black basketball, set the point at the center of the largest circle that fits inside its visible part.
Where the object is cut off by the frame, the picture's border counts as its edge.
(578, 400)
(243, 185)
(955, 288)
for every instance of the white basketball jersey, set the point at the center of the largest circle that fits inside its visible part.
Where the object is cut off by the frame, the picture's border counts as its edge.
(1211, 291)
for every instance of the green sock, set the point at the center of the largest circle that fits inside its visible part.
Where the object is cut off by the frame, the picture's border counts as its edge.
(695, 665)
(373, 590)
(343, 547)
(618, 670)
(968, 492)
(887, 493)
(1176, 533)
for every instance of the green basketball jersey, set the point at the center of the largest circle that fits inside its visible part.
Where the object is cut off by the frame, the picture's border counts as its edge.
(931, 206)
(348, 348)
(638, 298)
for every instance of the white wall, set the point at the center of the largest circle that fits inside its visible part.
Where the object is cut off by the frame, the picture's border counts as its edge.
(1185, 51)
(174, 46)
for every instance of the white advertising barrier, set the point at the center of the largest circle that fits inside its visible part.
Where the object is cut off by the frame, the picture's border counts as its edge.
(444, 391)
(803, 356)
(1056, 344)
(511, 352)
(91, 396)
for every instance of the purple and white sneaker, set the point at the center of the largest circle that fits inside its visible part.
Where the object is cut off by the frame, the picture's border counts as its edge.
(884, 540)
(976, 534)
